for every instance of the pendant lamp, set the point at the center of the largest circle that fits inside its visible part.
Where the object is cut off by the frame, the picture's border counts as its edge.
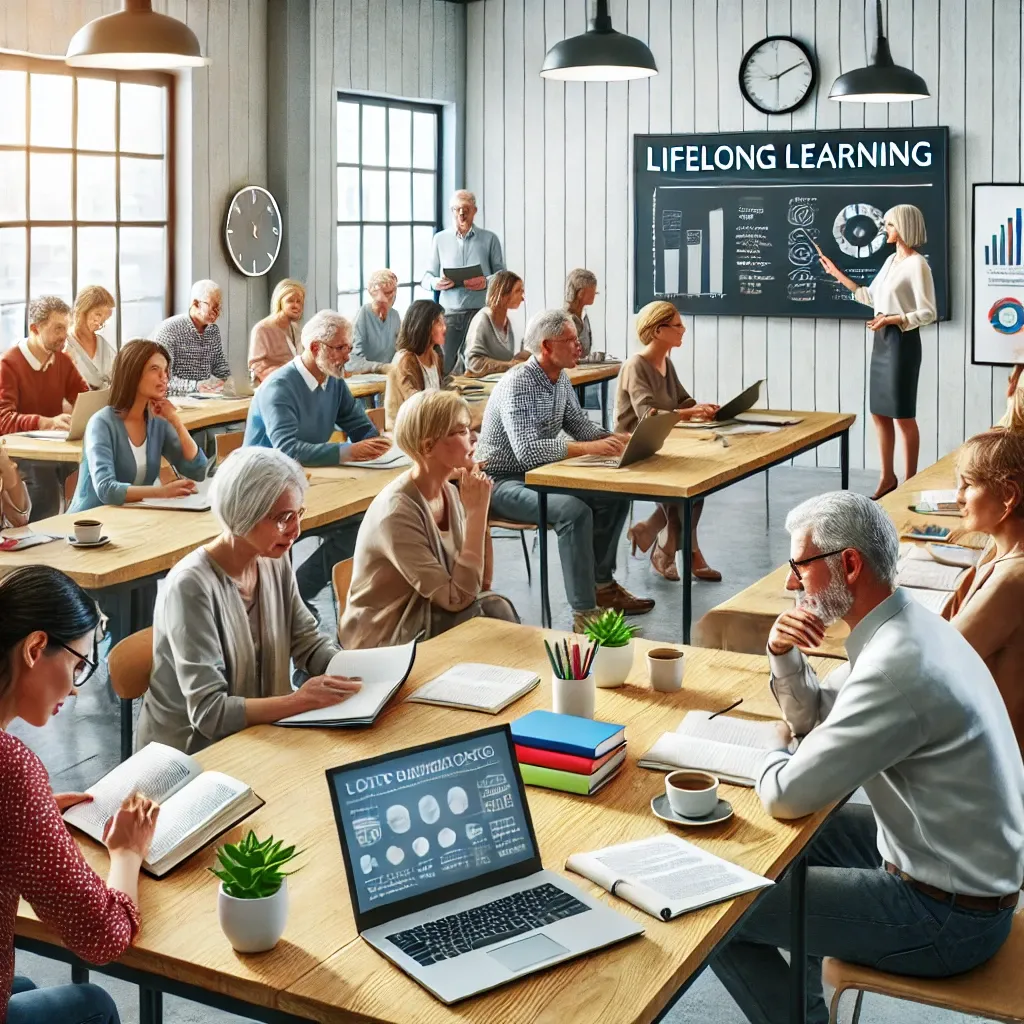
(599, 55)
(135, 38)
(881, 82)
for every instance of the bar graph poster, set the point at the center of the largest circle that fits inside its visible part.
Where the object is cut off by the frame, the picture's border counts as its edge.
(731, 223)
(998, 260)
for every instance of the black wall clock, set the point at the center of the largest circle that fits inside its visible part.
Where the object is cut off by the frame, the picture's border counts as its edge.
(252, 230)
(777, 75)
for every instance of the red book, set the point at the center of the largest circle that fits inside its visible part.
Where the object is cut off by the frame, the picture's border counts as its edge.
(564, 762)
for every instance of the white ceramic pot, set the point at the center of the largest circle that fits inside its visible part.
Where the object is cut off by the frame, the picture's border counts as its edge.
(612, 665)
(253, 926)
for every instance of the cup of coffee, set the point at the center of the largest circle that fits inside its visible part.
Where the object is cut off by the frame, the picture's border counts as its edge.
(573, 696)
(692, 794)
(87, 531)
(665, 666)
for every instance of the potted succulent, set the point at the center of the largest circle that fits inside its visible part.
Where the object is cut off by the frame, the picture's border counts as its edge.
(252, 902)
(614, 657)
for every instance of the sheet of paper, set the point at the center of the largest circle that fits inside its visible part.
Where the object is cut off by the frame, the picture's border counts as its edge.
(191, 808)
(672, 750)
(394, 458)
(937, 498)
(933, 600)
(758, 416)
(47, 435)
(739, 732)
(476, 686)
(927, 574)
(745, 428)
(197, 502)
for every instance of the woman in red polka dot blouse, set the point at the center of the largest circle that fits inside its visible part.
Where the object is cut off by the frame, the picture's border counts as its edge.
(48, 646)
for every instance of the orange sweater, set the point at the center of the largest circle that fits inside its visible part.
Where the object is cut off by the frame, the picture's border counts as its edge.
(27, 394)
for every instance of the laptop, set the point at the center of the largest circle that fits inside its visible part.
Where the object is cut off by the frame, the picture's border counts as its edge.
(444, 872)
(647, 439)
(741, 403)
(86, 406)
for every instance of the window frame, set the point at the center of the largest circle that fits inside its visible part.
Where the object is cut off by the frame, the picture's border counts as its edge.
(388, 103)
(35, 64)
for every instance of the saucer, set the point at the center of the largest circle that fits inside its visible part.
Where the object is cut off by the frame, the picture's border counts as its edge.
(661, 808)
(87, 544)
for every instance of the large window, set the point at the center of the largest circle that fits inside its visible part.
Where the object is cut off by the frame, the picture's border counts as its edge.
(389, 201)
(84, 191)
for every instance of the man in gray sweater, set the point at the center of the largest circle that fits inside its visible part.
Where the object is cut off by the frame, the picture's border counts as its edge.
(923, 881)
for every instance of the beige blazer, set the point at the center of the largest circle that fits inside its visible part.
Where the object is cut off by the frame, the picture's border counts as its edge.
(271, 347)
(405, 379)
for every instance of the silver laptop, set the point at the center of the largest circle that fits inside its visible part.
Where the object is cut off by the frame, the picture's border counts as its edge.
(86, 406)
(647, 439)
(444, 872)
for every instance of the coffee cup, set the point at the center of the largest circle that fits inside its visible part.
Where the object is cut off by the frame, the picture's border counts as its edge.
(692, 794)
(573, 696)
(665, 667)
(87, 531)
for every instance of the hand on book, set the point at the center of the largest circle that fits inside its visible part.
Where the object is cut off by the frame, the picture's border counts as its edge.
(799, 627)
(323, 691)
(66, 800)
(131, 828)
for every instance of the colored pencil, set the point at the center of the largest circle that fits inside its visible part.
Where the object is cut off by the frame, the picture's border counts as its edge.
(551, 658)
(558, 656)
(568, 660)
(576, 665)
(591, 654)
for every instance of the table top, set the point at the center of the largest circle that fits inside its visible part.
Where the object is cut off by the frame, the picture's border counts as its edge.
(321, 970)
(361, 388)
(692, 462)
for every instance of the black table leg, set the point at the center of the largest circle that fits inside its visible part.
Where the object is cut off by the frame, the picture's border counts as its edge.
(542, 537)
(687, 580)
(151, 1006)
(844, 460)
(79, 975)
(604, 404)
(798, 941)
(126, 728)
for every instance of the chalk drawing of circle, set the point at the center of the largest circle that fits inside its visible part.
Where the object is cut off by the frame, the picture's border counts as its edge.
(1007, 316)
(395, 854)
(398, 818)
(858, 230)
(458, 802)
(801, 254)
(367, 863)
(430, 811)
(421, 846)
(446, 837)
(800, 215)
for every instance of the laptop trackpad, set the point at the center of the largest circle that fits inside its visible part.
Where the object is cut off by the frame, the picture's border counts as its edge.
(517, 956)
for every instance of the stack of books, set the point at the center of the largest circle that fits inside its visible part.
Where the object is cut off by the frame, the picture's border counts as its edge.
(576, 755)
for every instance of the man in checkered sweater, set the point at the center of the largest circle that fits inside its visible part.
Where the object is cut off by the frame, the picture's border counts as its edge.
(194, 342)
(528, 416)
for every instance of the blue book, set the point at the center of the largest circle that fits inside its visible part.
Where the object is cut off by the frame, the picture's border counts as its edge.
(567, 733)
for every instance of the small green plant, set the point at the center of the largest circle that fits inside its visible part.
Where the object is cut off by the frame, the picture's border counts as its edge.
(251, 870)
(610, 629)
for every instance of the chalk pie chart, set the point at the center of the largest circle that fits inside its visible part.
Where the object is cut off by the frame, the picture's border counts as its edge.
(858, 230)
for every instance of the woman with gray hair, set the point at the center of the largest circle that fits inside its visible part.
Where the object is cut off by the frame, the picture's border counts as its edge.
(229, 617)
(376, 325)
(580, 292)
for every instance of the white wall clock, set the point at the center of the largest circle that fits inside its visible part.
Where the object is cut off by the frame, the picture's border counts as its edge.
(252, 230)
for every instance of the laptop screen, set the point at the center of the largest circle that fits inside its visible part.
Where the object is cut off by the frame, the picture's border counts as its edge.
(423, 819)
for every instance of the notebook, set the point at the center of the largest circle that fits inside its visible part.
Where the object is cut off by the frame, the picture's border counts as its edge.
(567, 733)
(933, 600)
(195, 806)
(573, 782)
(927, 574)
(476, 687)
(731, 748)
(393, 458)
(197, 502)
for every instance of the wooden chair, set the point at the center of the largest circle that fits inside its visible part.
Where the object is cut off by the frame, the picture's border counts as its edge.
(992, 991)
(341, 578)
(129, 665)
(520, 528)
(376, 417)
(227, 443)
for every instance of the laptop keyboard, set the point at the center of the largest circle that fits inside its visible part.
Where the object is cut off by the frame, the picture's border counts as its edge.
(474, 929)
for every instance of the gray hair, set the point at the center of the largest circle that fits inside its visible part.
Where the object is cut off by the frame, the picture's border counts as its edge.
(323, 326)
(248, 484)
(576, 281)
(204, 290)
(40, 310)
(462, 193)
(380, 277)
(909, 223)
(543, 326)
(838, 520)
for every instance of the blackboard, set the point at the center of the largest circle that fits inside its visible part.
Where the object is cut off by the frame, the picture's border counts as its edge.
(726, 223)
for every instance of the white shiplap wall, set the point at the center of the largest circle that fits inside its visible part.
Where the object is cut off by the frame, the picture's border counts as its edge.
(551, 166)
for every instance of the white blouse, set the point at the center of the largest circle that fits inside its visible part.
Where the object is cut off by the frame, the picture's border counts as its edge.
(139, 451)
(430, 379)
(905, 288)
(97, 370)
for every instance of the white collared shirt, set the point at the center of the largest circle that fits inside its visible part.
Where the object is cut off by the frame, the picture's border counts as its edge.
(311, 382)
(31, 359)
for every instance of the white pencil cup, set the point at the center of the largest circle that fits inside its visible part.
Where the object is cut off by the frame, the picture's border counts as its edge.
(573, 696)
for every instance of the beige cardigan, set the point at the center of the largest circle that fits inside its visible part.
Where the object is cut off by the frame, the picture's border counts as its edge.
(271, 347)
(401, 571)
(405, 379)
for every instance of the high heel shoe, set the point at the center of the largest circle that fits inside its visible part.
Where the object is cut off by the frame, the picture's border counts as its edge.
(639, 538)
(700, 570)
(882, 492)
(664, 564)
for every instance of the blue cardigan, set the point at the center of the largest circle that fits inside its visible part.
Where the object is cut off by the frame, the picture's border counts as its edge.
(108, 465)
(285, 414)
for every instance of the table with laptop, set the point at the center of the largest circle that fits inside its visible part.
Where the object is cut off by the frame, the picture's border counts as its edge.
(450, 882)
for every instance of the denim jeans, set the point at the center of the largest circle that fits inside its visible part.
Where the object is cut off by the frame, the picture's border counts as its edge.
(336, 545)
(858, 912)
(588, 529)
(457, 324)
(66, 1004)
(45, 482)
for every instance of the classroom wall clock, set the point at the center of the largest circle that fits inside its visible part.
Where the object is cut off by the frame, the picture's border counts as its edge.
(777, 74)
(252, 230)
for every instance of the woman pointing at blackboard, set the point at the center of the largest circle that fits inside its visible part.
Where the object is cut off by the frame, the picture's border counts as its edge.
(903, 298)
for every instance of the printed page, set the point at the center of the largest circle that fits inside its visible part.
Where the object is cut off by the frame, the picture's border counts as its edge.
(487, 687)
(747, 428)
(737, 732)
(197, 502)
(156, 771)
(393, 458)
(736, 764)
(933, 600)
(929, 575)
(937, 498)
(47, 435)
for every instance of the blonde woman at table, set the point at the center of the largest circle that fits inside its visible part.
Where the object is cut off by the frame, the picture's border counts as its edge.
(988, 606)
(490, 345)
(15, 504)
(423, 563)
(649, 383)
(419, 362)
(90, 350)
(902, 295)
(125, 442)
(275, 340)
(229, 617)
(49, 633)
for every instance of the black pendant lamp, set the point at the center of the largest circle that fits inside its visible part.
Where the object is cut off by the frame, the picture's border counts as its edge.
(883, 81)
(135, 38)
(599, 55)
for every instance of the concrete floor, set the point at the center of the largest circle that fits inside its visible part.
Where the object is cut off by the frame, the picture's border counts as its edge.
(737, 537)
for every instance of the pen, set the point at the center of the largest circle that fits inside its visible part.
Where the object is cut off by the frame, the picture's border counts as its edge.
(735, 704)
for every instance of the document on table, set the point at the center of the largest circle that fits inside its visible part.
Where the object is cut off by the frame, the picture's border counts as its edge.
(933, 600)
(197, 502)
(393, 458)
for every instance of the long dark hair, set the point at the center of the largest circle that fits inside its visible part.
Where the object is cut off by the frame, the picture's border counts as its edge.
(38, 597)
(418, 322)
(129, 365)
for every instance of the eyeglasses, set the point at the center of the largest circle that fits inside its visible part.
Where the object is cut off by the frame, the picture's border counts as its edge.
(86, 666)
(285, 519)
(795, 564)
(463, 209)
(336, 348)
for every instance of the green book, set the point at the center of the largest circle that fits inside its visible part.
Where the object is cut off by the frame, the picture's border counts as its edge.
(571, 782)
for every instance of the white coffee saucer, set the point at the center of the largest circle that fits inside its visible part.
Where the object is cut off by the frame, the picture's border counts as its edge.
(87, 544)
(660, 807)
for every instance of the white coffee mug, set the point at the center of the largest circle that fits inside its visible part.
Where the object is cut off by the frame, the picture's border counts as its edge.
(573, 696)
(87, 531)
(665, 667)
(692, 794)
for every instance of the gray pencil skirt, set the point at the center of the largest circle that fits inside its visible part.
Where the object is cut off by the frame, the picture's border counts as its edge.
(895, 365)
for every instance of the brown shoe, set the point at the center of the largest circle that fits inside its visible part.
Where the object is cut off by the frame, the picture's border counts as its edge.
(612, 595)
(580, 620)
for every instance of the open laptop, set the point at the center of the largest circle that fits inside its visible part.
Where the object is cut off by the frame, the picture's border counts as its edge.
(646, 440)
(444, 872)
(86, 406)
(741, 403)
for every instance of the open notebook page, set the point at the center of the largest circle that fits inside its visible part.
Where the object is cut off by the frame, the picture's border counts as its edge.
(477, 686)
(933, 600)
(737, 764)
(738, 732)
(197, 502)
(930, 574)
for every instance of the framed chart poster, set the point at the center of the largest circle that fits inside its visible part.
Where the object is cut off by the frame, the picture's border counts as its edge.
(997, 251)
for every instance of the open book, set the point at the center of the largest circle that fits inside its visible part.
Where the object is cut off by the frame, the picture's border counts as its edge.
(197, 502)
(382, 670)
(475, 687)
(731, 748)
(927, 574)
(393, 458)
(665, 876)
(195, 806)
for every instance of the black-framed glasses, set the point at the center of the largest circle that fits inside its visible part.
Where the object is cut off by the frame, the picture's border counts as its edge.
(795, 564)
(86, 667)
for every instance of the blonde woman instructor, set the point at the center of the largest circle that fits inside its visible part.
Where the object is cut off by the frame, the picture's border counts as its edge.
(902, 295)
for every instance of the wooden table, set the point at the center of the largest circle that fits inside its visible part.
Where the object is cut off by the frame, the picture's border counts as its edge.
(321, 970)
(742, 623)
(690, 466)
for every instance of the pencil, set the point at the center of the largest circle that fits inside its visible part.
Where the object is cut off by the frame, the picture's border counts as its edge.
(558, 655)
(734, 704)
(551, 658)
(576, 665)
(591, 654)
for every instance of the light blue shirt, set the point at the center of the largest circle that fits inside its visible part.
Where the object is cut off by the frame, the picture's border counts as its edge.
(450, 249)
(373, 340)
